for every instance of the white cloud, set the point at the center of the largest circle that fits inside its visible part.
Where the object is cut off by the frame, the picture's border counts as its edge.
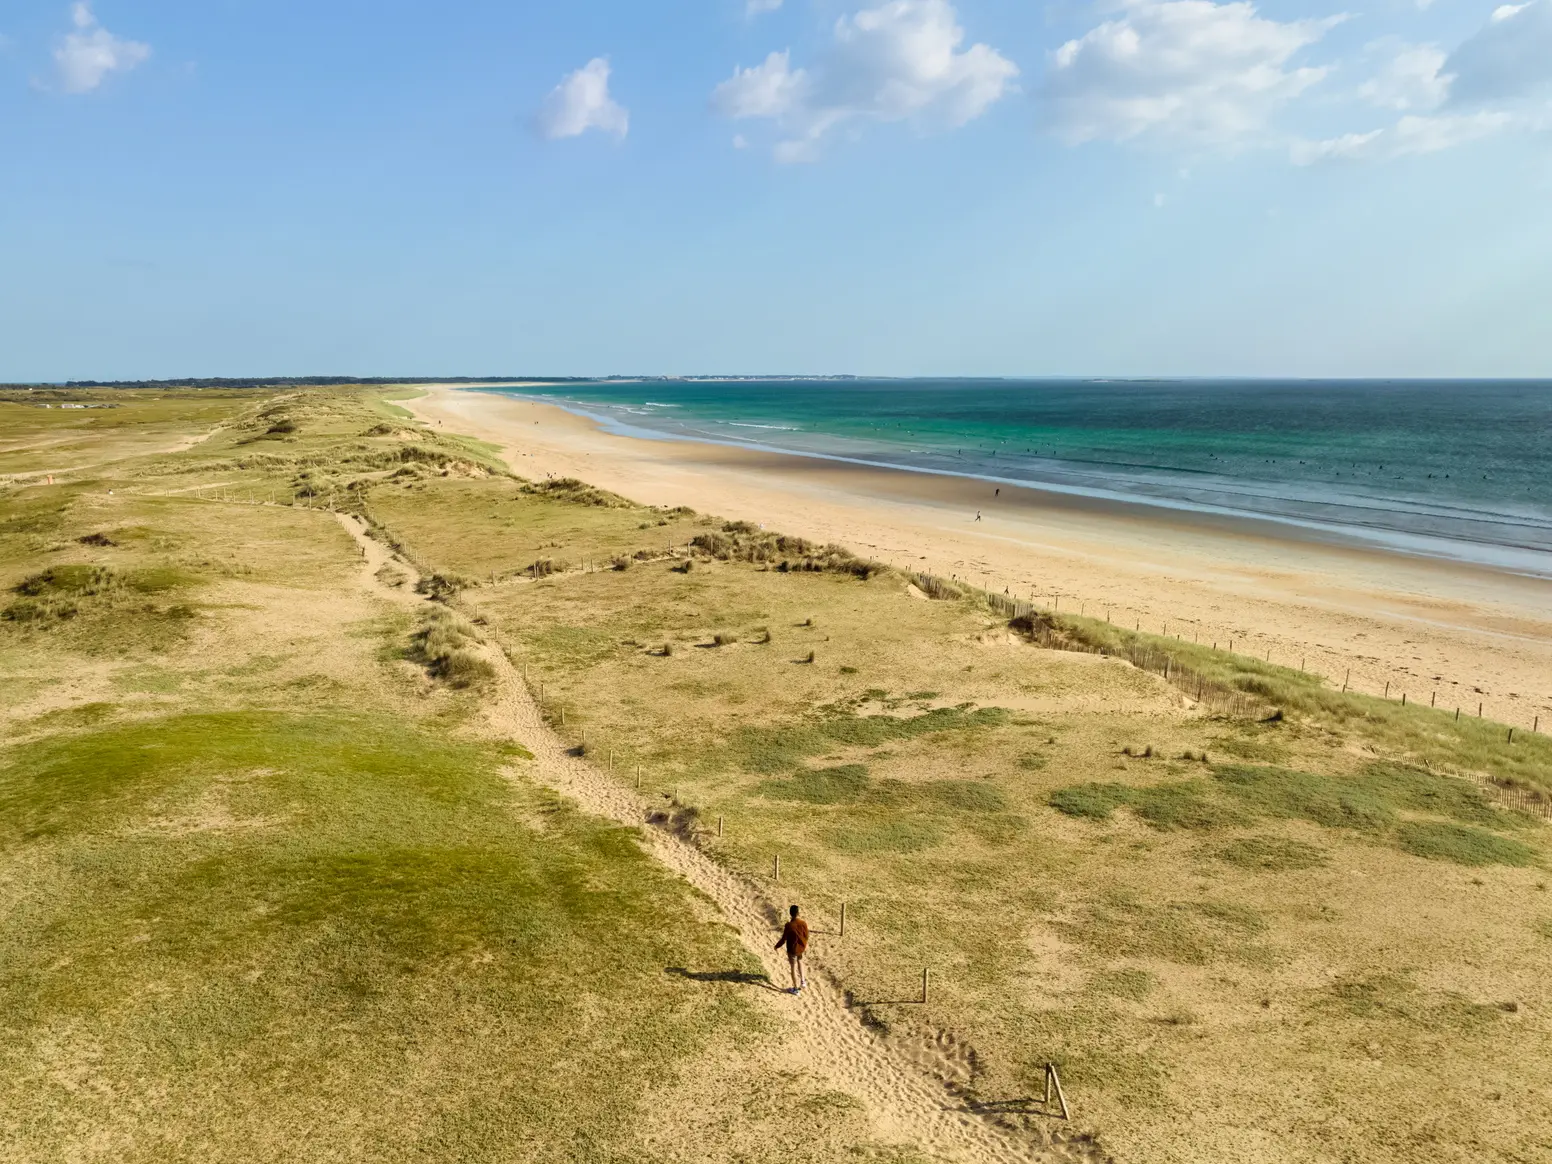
(1487, 86)
(1408, 137)
(756, 7)
(770, 89)
(89, 53)
(1509, 58)
(900, 61)
(1410, 79)
(1184, 70)
(581, 102)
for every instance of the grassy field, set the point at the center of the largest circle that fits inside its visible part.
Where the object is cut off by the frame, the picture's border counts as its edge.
(269, 888)
(1311, 936)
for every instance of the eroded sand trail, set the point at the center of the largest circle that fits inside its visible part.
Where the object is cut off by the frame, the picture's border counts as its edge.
(911, 1097)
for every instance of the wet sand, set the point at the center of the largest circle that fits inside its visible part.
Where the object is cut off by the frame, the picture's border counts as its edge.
(1462, 633)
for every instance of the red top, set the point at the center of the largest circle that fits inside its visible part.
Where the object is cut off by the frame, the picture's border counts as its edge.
(794, 935)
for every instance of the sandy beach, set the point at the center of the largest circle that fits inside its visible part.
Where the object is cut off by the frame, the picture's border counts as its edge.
(1459, 634)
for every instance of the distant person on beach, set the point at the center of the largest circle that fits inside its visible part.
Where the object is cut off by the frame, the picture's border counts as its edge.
(977, 515)
(794, 935)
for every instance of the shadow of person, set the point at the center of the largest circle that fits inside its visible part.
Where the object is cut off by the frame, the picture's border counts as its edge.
(742, 977)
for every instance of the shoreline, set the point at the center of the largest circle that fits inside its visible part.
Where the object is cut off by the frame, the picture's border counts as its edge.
(1538, 563)
(1457, 632)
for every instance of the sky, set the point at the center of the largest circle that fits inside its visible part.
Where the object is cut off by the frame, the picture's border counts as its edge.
(889, 187)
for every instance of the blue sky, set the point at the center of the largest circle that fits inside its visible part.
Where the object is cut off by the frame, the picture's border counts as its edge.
(979, 187)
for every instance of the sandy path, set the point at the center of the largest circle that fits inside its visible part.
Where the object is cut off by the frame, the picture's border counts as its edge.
(1420, 626)
(39, 476)
(908, 1101)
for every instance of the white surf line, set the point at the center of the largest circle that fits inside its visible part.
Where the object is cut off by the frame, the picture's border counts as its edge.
(906, 1103)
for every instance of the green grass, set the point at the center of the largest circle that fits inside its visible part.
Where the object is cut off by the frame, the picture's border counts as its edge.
(839, 785)
(1270, 854)
(771, 750)
(1369, 802)
(289, 954)
(1461, 844)
(1127, 982)
(384, 910)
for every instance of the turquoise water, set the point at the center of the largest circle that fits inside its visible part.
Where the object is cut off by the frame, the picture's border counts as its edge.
(1459, 469)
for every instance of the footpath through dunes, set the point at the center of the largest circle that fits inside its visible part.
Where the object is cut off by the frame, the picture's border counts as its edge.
(911, 1100)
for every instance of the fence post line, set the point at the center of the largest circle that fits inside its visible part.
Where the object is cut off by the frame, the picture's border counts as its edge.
(926, 979)
(776, 868)
(843, 920)
(719, 826)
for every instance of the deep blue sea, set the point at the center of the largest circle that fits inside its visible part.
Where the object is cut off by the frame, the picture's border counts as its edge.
(1459, 469)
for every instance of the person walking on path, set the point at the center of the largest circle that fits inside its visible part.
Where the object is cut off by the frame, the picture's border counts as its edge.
(794, 935)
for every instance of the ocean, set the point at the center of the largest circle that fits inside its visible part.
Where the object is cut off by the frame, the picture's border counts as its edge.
(1459, 469)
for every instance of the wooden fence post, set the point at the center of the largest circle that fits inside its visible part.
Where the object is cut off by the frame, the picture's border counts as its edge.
(843, 920)
(1051, 1077)
(926, 979)
(776, 868)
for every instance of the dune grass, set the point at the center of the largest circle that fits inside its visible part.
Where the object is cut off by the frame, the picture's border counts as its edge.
(271, 888)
